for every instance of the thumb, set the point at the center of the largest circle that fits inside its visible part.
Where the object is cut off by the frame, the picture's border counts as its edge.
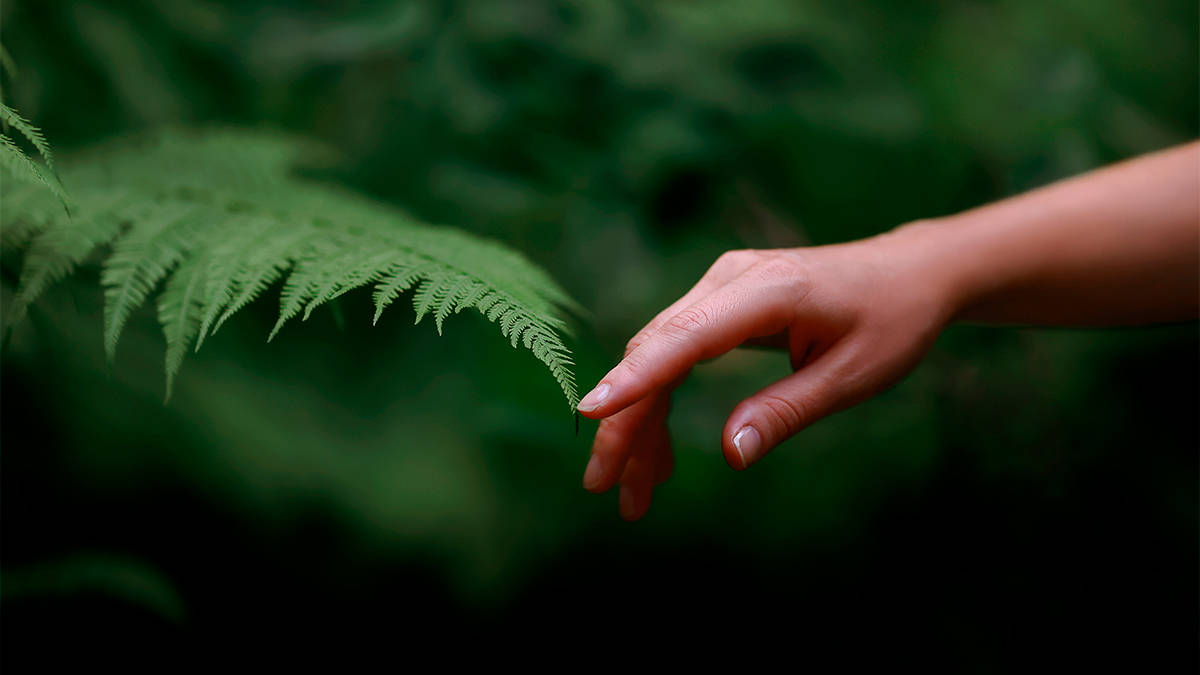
(782, 409)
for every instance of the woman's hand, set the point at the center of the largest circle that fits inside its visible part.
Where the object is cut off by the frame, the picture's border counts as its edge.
(855, 318)
(1119, 245)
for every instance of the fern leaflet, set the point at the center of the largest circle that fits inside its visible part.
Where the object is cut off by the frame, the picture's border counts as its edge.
(16, 163)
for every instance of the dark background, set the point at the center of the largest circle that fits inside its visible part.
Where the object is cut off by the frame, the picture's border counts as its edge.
(1026, 499)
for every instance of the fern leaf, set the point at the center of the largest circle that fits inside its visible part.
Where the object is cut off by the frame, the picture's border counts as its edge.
(463, 284)
(55, 252)
(320, 278)
(301, 285)
(15, 161)
(251, 280)
(397, 280)
(180, 311)
(30, 132)
(247, 249)
(40, 209)
(219, 218)
(258, 273)
(138, 262)
(349, 272)
(438, 296)
(472, 296)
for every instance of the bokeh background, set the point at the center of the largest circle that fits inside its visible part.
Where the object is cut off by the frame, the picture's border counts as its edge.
(1026, 498)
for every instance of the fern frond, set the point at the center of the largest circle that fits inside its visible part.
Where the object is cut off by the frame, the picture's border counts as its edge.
(14, 160)
(218, 218)
(58, 244)
(351, 271)
(262, 269)
(244, 248)
(140, 260)
(55, 252)
(439, 295)
(31, 133)
(180, 311)
(396, 280)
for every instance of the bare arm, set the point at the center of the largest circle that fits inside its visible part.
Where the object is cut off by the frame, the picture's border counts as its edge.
(1116, 246)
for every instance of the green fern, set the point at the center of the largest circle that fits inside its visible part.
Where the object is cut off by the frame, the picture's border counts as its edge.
(217, 218)
(17, 164)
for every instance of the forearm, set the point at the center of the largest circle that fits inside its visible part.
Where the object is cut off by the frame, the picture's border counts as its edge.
(1120, 245)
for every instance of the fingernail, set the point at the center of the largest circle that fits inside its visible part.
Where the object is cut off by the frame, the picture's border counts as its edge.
(748, 444)
(593, 474)
(594, 398)
(626, 504)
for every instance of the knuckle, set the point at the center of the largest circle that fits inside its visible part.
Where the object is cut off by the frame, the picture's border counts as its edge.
(689, 320)
(635, 342)
(732, 258)
(790, 277)
(725, 258)
(635, 365)
(775, 267)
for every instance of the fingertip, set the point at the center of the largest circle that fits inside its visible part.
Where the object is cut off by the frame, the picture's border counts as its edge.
(595, 399)
(664, 464)
(742, 444)
(637, 485)
(733, 459)
(592, 414)
(627, 503)
(593, 477)
(748, 445)
(633, 503)
(729, 450)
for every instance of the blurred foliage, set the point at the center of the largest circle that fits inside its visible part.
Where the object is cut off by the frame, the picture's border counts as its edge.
(1024, 494)
(130, 580)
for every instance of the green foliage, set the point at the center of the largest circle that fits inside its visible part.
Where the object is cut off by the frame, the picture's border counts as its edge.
(217, 217)
(16, 163)
(132, 581)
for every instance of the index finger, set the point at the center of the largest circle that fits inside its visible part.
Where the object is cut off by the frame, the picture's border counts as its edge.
(742, 309)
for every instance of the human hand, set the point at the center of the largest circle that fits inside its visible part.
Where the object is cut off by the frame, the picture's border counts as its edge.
(1116, 246)
(855, 318)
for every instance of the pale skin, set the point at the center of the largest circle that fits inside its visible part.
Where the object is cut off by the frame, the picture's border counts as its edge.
(1117, 246)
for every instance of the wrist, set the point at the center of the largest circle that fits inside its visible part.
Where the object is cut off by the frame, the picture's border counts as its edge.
(933, 260)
